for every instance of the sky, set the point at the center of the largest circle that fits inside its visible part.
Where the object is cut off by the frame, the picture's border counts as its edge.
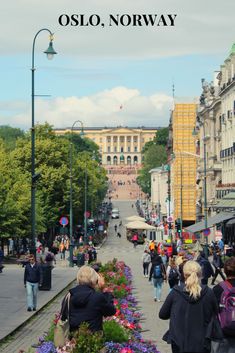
(108, 75)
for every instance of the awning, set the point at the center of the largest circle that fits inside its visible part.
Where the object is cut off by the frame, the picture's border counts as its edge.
(139, 225)
(228, 201)
(218, 218)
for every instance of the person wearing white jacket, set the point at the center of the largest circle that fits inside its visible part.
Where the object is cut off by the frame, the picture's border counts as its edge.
(146, 259)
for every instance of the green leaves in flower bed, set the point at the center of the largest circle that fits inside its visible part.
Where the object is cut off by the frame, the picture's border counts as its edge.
(119, 293)
(87, 341)
(50, 333)
(113, 332)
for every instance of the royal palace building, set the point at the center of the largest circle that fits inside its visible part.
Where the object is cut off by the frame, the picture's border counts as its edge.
(117, 145)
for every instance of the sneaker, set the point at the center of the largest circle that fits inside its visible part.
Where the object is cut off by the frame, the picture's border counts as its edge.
(158, 300)
(29, 309)
(34, 309)
(155, 299)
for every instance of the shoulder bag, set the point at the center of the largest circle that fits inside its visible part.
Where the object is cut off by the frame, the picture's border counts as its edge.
(61, 330)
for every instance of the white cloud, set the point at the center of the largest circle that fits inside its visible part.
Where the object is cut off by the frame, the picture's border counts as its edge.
(117, 106)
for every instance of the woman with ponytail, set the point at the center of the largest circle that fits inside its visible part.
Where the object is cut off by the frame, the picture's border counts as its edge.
(192, 309)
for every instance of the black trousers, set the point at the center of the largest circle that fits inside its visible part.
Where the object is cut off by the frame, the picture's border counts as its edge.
(218, 271)
(146, 268)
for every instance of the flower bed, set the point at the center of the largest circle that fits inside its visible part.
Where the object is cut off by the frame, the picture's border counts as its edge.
(122, 332)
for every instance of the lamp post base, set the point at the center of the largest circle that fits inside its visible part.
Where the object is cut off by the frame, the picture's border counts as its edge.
(71, 264)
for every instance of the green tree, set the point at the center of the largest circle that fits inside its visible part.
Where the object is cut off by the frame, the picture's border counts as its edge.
(10, 135)
(154, 157)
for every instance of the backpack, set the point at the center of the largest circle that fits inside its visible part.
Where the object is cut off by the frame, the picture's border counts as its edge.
(157, 271)
(173, 274)
(227, 308)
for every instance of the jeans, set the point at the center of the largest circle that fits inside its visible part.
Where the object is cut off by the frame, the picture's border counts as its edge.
(31, 289)
(157, 282)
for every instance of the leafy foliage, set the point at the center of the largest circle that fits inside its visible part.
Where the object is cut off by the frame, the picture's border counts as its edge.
(114, 332)
(87, 341)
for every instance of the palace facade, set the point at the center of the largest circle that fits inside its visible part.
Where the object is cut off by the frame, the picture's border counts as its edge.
(117, 145)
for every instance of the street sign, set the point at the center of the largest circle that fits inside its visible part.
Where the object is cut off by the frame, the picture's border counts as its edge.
(169, 219)
(206, 232)
(64, 221)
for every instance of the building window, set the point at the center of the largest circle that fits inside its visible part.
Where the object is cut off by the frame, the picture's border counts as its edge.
(143, 140)
(108, 160)
(114, 138)
(115, 149)
(108, 149)
(128, 139)
(135, 149)
(100, 139)
(121, 138)
(108, 139)
(121, 149)
(128, 149)
(135, 139)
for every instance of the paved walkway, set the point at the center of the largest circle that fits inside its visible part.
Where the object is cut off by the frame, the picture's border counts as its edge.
(13, 305)
(122, 249)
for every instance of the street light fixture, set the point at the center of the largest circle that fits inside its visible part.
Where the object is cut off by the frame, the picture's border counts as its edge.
(34, 177)
(71, 193)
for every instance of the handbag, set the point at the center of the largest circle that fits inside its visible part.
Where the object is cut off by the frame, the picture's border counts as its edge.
(61, 330)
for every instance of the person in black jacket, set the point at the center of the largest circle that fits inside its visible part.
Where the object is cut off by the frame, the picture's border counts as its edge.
(86, 303)
(192, 309)
(218, 264)
(32, 279)
(158, 273)
(207, 270)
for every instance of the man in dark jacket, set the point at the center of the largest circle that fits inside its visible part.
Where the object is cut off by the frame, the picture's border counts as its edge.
(218, 264)
(207, 270)
(32, 279)
(88, 305)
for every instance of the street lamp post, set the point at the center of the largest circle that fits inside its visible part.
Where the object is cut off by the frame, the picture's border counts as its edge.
(85, 208)
(34, 177)
(71, 194)
(205, 177)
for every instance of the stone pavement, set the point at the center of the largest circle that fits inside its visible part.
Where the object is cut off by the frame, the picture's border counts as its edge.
(13, 311)
(122, 249)
(129, 191)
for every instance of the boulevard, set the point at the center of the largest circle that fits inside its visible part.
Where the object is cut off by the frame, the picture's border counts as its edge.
(13, 300)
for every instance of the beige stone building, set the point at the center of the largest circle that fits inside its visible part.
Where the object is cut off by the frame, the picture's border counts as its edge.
(118, 145)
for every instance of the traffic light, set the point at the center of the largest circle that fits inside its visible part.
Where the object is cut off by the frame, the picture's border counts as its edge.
(178, 226)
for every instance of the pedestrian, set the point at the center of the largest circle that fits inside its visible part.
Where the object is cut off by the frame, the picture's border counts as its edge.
(146, 259)
(222, 291)
(115, 228)
(62, 250)
(158, 273)
(207, 270)
(172, 273)
(192, 310)
(88, 304)
(134, 239)
(32, 279)
(218, 264)
(119, 235)
(120, 223)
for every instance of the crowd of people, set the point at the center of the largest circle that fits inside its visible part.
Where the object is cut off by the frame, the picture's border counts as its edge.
(202, 319)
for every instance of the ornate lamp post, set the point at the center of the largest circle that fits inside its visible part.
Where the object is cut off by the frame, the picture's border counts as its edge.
(71, 193)
(50, 52)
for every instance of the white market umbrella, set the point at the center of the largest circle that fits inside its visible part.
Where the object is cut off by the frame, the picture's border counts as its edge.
(139, 225)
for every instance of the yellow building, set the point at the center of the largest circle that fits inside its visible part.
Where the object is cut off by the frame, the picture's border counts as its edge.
(117, 145)
(184, 163)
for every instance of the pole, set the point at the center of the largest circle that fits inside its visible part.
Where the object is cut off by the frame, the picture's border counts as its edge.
(71, 195)
(205, 187)
(169, 200)
(71, 209)
(33, 179)
(181, 197)
(85, 208)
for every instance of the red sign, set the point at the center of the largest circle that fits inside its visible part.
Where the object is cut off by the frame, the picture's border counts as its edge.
(206, 232)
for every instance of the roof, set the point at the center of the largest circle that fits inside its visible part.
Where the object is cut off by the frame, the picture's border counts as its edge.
(232, 50)
(228, 201)
(211, 221)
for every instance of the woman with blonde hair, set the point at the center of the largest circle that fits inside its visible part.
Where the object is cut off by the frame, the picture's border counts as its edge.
(191, 308)
(87, 304)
